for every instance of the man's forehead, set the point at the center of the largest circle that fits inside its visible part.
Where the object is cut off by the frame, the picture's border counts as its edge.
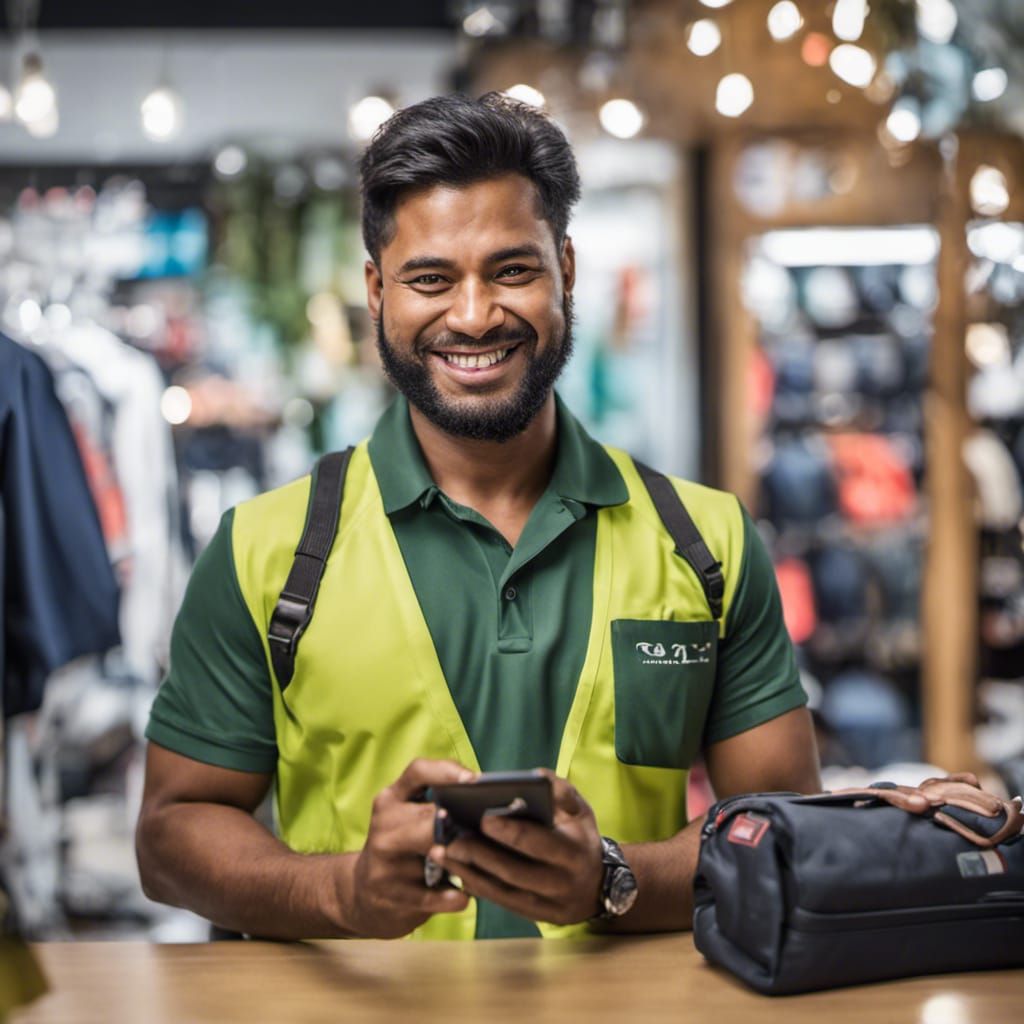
(496, 213)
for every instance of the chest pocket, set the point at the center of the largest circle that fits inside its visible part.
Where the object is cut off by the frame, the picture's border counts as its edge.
(664, 675)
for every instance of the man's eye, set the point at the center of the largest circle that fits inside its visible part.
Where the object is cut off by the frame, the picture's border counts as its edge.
(429, 280)
(513, 271)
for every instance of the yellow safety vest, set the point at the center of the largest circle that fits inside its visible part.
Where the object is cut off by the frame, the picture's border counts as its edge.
(368, 694)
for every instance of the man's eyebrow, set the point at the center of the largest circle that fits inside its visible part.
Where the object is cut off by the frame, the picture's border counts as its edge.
(517, 252)
(426, 263)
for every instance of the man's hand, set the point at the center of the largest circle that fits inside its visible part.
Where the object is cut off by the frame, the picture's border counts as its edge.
(385, 896)
(544, 874)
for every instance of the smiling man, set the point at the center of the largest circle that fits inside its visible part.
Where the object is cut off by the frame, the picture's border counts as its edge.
(502, 593)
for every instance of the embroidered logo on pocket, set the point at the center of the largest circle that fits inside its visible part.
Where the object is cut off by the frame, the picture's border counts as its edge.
(682, 654)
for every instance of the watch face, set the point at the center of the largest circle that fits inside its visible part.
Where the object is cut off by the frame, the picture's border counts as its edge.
(621, 892)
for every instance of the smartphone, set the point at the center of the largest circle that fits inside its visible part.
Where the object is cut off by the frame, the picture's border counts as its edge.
(522, 794)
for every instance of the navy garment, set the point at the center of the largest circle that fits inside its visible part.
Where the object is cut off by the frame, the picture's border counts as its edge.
(60, 597)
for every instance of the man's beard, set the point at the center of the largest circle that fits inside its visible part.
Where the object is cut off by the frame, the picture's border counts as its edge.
(479, 418)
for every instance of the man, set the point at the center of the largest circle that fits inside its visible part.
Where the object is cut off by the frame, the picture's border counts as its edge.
(501, 594)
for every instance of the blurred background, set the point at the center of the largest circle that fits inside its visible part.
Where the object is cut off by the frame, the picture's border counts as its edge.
(801, 278)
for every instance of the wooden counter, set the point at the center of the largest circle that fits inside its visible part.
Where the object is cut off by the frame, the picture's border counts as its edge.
(647, 979)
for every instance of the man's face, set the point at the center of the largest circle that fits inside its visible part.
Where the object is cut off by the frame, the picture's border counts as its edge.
(472, 303)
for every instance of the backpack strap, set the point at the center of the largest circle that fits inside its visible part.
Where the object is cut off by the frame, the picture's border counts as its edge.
(683, 530)
(294, 608)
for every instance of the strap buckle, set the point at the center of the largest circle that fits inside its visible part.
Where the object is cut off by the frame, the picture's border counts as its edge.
(288, 621)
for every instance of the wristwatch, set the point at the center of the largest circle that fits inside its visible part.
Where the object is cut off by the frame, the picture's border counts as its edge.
(619, 888)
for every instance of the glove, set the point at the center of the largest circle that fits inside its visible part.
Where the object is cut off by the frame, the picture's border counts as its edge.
(956, 802)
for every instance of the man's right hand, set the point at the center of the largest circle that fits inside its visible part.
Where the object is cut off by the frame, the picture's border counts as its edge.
(384, 895)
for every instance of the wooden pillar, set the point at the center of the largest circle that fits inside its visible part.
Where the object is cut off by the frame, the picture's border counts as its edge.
(949, 600)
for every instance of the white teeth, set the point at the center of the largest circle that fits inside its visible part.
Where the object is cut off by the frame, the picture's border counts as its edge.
(474, 362)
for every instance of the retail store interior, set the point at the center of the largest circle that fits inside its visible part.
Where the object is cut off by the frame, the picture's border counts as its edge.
(800, 278)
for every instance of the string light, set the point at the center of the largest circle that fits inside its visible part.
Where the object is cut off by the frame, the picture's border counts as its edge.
(989, 84)
(853, 64)
(784, 21)
(703, 37)
(230, 162)
(733, 95)
(936, 20)
(903, 122)
(990, 195)
(815, 49)
(848, 19)
(621, 118)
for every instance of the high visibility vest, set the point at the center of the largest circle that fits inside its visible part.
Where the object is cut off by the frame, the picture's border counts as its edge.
(368, 694)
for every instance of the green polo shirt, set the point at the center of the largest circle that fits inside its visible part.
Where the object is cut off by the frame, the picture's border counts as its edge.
(510, 625)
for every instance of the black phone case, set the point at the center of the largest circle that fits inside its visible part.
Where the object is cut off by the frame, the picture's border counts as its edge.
(515, 794)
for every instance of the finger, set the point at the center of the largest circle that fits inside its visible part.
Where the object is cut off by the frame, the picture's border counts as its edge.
(906, 799)
(503, 866)
(424, 772)
(566, 797)
(527, 904)
(559, 845)
(399, 828)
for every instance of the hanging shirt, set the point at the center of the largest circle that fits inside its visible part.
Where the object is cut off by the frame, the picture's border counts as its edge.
(60, 598)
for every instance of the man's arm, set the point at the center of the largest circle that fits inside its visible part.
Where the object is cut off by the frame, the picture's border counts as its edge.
(199, 847)
(779, 755)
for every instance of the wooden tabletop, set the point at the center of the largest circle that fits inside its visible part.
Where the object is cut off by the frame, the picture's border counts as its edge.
(647, 979)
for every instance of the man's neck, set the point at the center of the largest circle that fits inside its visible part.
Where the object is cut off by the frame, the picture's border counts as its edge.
(500, 480)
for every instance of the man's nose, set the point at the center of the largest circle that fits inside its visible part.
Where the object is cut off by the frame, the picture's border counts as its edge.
(474, 310)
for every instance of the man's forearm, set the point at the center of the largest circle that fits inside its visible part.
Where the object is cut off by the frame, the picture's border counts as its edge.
(222, 864)
(664, 873)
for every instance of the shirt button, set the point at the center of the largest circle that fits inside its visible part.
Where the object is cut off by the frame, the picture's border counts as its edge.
(511, 593)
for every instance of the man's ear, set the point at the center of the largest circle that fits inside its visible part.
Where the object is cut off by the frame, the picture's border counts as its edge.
(568, 262)
(374, 289)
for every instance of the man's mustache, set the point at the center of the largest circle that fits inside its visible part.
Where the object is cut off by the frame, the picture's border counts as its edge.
(498, 336)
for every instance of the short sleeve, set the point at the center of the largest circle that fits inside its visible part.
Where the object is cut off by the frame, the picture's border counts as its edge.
(757, 677)
(216, 703)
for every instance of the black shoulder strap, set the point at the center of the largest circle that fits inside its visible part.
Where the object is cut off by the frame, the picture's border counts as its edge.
(689, 543)
(295, 605)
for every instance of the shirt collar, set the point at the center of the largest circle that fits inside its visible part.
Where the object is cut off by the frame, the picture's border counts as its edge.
(584, 471)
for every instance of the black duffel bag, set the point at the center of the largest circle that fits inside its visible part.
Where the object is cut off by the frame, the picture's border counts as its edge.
(796, 893)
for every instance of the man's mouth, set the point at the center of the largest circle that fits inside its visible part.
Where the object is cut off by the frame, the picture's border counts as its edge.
(477, 360)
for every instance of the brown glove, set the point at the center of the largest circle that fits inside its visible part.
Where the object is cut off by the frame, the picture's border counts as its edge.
(960, 790)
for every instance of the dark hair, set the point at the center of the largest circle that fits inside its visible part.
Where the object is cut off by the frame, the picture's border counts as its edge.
(455, 140)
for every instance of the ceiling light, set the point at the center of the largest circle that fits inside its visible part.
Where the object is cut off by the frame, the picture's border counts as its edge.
(936, 20)
(990, 195)
(904, 122)
(815, 49)
(848, 19)
(716, 3)
(46, 127)
(703, 37)
(784, 20)
(230, 162)
(161, 114)
(733, 95)
(35, 98)
(621, 118)
(989, 84)
(366, 116)
(853, 64)
(526, 94)
(851, 247)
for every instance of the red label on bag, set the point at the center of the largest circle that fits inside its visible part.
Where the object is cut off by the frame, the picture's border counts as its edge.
(748, 829)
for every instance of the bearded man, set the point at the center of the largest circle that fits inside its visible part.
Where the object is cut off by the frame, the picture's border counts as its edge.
(497, 591)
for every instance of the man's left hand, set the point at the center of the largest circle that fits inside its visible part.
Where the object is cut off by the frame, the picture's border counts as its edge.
(544, 874)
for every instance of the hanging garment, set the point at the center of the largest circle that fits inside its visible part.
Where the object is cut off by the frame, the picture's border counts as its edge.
(60, 596)
(143, 460)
